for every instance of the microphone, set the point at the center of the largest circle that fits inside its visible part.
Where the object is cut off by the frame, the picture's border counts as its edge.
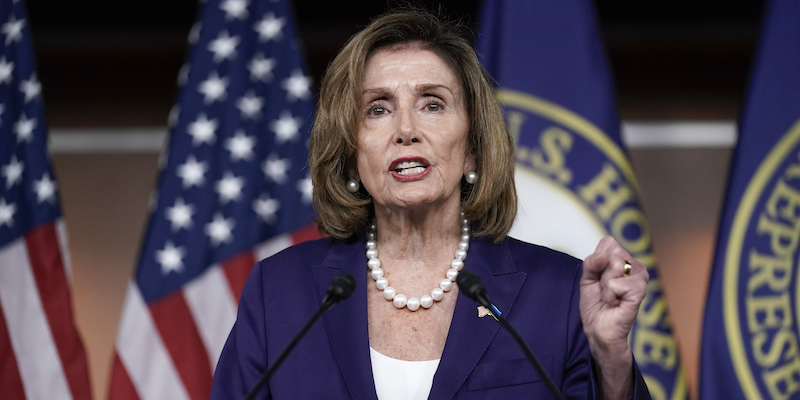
(471, 286)
(341, 288)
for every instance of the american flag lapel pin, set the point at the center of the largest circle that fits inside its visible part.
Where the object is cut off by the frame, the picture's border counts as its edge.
(482, 312)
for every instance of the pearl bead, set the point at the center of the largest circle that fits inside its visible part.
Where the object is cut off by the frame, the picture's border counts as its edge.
(464, 222)
(471, 177)
(465, 237)
(371, 235)
(463, 246)
(457, 264)
(374, 263)
(389, 292)
(413, 304)
(461, 254)
(376, 273)
(446, 285)
(381, 283)
(372, 253)
(353, 186)
(465, 229)
(452, 274)
(371, 245)
(437, 294)
(426, 301)
(399, 300)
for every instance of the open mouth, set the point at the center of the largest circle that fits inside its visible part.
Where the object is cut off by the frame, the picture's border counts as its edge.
(410, 168)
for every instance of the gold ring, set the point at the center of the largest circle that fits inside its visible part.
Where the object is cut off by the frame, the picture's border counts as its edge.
(627, 268)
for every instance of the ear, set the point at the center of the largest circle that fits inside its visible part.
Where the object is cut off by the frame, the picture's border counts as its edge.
(470, 163)
(352, 171)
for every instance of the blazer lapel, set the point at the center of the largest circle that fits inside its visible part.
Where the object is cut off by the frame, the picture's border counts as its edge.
(469, 336)
(346, 322)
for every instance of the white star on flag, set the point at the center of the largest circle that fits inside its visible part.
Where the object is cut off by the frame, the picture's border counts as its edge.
(7, 213)
(194, 32)
(306, 188)
(180, 215)
(32, 88)
(261, 68)
(13, 30)
(297, 86)
(6, 68)
(269, 28)
(266, 208)
(220, 230)
(45, 189)
(241, 146)
(171, 258)
(203, 130)
(286, 128)
(229, 187)
(24, 129)
(213, 88)
(192, 172)
(234, 9)
(250, 105)
(224, 46)
(13, 171)
(275, 168)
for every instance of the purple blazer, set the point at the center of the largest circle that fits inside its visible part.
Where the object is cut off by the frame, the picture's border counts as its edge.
(534, 287)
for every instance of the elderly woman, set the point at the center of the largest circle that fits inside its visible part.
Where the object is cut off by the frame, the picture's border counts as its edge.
(413, 167)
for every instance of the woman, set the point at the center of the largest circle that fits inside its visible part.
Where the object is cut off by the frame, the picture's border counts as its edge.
(413, 166)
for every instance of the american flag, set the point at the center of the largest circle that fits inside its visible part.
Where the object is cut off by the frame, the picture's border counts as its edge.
(234, 188)
(41, 353)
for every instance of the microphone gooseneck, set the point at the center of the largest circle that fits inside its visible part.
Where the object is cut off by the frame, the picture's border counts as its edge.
(340, 289)
(471, 286)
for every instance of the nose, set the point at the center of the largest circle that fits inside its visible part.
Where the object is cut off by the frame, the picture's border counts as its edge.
(407, 132)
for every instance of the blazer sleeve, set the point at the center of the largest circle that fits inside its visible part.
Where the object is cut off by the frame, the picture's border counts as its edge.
(244, 357)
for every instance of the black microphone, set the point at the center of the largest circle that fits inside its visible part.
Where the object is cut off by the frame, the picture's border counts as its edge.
(471, 286)
(341, 288)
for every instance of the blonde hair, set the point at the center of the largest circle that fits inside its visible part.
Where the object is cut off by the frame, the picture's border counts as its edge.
(491, 203)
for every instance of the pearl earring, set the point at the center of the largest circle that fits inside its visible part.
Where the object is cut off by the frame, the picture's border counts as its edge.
(472, 177)
(353, 186)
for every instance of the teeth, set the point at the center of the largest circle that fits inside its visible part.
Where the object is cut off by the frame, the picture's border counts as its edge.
(408, 164)
(410, 171)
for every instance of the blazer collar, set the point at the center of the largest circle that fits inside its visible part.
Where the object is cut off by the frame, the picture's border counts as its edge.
(469, 336)
(467, 340)
(346, 322)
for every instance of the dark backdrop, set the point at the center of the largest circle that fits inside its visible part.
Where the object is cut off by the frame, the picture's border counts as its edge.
(114, 63)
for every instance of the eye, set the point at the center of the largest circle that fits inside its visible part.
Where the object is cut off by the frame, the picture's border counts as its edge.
(434, 107)
(378, 110)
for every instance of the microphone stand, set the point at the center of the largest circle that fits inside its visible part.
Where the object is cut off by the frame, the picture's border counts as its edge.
(340, 289)
(471, 286)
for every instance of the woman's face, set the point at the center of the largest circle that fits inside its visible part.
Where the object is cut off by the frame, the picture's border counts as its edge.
(412, 136)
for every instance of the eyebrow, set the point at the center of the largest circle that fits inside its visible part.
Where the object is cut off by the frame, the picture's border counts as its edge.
(427, 87)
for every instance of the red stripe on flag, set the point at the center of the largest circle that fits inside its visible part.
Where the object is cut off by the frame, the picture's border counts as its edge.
(237, 269)
(10, 380)
(121, 386)
(179, 333)
(309, 232)
(51, 280)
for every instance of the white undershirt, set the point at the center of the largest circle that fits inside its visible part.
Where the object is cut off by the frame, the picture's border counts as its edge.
(402, 380)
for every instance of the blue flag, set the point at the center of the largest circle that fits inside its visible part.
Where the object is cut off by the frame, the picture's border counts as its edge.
(750, 333)
(234, 188)
(574, 178)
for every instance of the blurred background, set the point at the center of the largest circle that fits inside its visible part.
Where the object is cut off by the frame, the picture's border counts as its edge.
(108, 72)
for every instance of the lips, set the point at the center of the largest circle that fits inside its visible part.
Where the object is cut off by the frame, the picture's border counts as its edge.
(409, 169)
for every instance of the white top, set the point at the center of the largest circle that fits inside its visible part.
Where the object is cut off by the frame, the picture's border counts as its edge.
(402, 380)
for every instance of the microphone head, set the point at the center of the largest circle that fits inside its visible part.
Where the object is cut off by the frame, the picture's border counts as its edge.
(341, 288)
(470, 284)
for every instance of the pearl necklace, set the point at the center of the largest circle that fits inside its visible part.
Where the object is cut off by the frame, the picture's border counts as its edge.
(426, 301)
